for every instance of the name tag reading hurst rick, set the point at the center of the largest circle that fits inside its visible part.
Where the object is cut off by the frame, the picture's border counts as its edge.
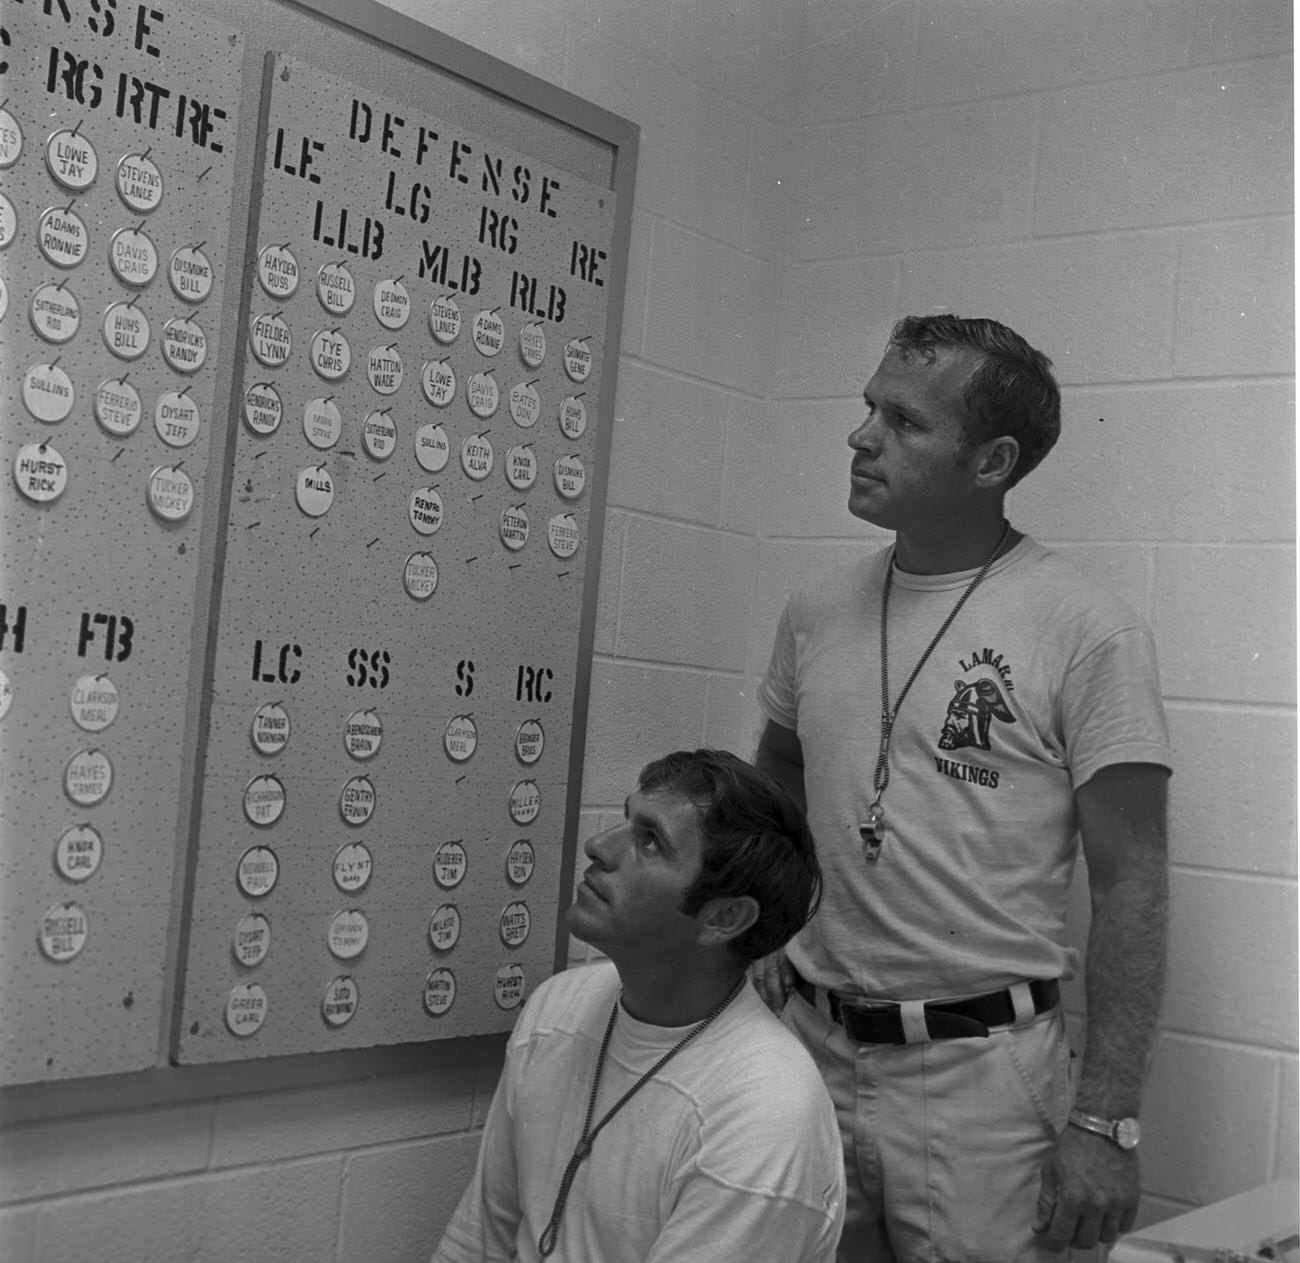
(509, 986)
(40, 473)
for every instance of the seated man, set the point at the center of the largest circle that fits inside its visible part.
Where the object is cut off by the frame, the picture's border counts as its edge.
(651, 1107)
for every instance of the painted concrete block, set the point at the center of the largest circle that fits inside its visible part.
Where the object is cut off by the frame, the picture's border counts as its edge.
(638, 279)
(1235, 300)
(45, 1159)
(741, 51)
(730, 722)
(396, 1202)
(854, 60)
(834, 326)
(289, 1211)
(1225, 623)
(1204, 144)
(926, 179)
(636, 713)
(669, 446)
(611, 582)
(1207, 1113)
(744, 493)
(1152, 463)
(709, 311)
(1007, 46)
(18, 1234)
(1286, 1159)
(808, 462)
(325, 1119)
(1124, 569)
(1232, 958)
(686, 593)
(1232, 799)
(1101, 310)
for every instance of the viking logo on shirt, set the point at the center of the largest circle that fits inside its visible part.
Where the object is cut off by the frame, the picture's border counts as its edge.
(971, 713)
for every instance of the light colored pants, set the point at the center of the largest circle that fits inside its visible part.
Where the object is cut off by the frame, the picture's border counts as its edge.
(943, 1141)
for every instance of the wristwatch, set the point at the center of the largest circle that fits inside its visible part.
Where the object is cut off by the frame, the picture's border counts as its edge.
(1125, 1132)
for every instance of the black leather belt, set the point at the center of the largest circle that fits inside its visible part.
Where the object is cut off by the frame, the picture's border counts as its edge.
(880, 1021)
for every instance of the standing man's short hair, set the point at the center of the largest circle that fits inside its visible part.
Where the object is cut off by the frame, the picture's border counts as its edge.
(756, 842)
(1012, 392)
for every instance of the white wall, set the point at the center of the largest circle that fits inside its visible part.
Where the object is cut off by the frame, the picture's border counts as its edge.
(1110, 177)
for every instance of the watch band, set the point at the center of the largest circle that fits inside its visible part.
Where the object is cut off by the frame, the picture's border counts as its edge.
(1124, 1132)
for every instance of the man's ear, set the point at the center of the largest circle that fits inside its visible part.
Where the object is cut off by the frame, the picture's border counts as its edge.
(995, 460)
(725, 918)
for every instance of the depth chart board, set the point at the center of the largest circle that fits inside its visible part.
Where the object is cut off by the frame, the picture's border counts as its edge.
(386, 767)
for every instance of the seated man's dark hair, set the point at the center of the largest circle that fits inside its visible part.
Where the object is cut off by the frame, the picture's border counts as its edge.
(1011, 392)
(756, 843)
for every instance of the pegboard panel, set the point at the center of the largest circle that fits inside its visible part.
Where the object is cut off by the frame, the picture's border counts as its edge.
(310, 322)
(387, 769)
(117, 152)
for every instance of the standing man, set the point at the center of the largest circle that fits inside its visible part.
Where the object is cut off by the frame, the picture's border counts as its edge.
(958, 711)
(651, 1107)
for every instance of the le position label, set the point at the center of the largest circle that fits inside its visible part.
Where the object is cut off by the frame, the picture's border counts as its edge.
(78, 853)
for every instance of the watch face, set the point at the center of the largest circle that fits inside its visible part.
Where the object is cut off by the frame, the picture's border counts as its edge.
(1127, 1133)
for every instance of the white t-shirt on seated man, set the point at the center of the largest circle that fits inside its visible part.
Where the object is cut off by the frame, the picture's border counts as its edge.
(651, 1108)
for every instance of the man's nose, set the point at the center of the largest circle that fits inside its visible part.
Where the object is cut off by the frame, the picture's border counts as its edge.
(866, 437)
(599, 848)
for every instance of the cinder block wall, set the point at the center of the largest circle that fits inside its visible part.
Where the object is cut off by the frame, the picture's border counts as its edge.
(1112, 179)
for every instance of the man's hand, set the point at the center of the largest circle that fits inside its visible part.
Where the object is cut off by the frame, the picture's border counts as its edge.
(1089, 1192)
(774, 977)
